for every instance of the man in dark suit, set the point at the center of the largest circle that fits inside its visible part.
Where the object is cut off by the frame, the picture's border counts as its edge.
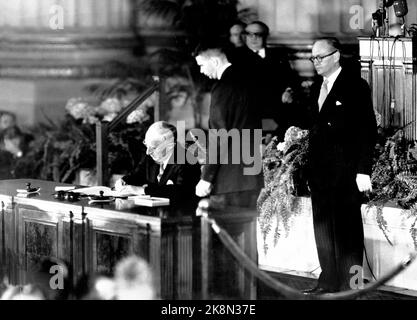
(236, 34)
(233, 110)
(160, 174)
(342, 140)
(275, 77)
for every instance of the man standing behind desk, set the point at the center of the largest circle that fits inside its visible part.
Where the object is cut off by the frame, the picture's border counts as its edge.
(232, 109)
(160, 174)
(342, 140)
(277, 81)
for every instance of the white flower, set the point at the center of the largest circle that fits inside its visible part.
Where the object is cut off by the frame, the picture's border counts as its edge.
(281, 146)
(109, 117)
(138, 115)
(111, 105)
(78, 108)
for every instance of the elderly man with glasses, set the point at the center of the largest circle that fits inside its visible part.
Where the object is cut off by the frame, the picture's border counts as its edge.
(277, 81)
(342, 140)
(164, 172)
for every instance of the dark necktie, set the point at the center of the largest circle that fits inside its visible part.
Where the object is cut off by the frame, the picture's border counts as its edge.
(161, 172)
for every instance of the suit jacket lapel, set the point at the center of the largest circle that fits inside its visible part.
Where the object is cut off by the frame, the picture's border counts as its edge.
(167, 173)
(170, 167)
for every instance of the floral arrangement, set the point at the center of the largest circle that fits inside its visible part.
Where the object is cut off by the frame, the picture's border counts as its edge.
(394, 177)
(59, 150)
(283, 167)
(107, 110)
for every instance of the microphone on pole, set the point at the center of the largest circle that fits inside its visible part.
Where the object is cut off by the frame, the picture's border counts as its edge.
(400, 8)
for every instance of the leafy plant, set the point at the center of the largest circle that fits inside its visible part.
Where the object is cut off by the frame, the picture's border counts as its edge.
(59, 150)
(283, 165)
(394, 177)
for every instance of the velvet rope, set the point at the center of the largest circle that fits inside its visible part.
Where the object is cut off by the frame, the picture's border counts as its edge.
(289, 292)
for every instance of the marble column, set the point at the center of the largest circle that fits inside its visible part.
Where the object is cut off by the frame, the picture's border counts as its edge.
(51, 49)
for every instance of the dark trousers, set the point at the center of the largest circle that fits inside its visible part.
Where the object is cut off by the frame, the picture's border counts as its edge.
(338, 231)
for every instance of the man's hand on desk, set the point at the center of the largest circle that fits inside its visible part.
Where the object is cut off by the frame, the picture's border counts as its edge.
(121, 187)
(203, 188)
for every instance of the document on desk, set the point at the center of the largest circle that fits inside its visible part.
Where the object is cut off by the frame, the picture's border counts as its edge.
(148, 201)
(107, 192)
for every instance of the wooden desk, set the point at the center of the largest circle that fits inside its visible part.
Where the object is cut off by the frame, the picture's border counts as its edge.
(92, 238)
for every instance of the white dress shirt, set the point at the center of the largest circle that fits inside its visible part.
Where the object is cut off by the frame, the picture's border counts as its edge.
(332, 78)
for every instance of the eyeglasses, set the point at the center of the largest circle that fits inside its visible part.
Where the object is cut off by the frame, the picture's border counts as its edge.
(254, 34)
(319, 59)
(150, 149)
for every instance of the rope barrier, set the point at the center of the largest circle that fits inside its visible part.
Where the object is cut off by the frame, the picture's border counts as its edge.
(292, 293)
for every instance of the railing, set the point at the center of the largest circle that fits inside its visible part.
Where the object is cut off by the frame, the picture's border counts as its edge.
(103, 129)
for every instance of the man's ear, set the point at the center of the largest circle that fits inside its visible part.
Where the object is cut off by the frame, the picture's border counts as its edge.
(337, 56)
(215, 61)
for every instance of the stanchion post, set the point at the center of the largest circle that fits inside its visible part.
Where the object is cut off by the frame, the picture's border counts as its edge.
(202, 266)
(102, 163)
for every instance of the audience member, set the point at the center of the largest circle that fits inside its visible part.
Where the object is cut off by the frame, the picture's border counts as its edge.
(14, 141)
(13, 145)
(133, 280)
(237, 34)
(7, 120)
(51, 278)
(27, 292)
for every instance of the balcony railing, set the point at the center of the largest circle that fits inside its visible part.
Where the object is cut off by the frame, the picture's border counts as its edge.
(103, 129)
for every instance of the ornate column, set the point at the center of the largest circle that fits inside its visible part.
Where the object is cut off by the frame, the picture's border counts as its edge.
(50, 49)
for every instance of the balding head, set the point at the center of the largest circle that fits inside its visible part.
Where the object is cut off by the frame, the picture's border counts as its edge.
(160, 140)
(162, 130)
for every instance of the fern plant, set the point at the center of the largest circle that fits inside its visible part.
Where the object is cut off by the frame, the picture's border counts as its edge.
(279, 201)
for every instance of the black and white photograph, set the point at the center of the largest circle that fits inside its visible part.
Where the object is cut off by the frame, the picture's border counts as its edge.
(205, 158)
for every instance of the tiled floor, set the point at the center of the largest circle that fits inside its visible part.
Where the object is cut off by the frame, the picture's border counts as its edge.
(301, 283)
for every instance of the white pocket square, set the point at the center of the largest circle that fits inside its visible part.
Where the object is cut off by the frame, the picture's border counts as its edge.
(338, 103)
(170, 182)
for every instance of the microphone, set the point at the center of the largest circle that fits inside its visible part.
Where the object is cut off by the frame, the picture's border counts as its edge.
(400, 8)
(388, 3)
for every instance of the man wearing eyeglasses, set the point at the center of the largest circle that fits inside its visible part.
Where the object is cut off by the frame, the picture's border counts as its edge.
(276, 79)
(160, 174)
(342, 140)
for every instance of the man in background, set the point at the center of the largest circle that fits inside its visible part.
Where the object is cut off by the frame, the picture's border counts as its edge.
(277, 81)
(237, 34)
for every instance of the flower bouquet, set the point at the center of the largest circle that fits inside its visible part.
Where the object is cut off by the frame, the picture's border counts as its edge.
(59, 150)
(283, 167)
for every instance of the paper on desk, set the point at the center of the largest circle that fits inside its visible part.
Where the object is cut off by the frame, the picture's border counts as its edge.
(64, 188)
(107, 192)
(150, 201)
(142, 196)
